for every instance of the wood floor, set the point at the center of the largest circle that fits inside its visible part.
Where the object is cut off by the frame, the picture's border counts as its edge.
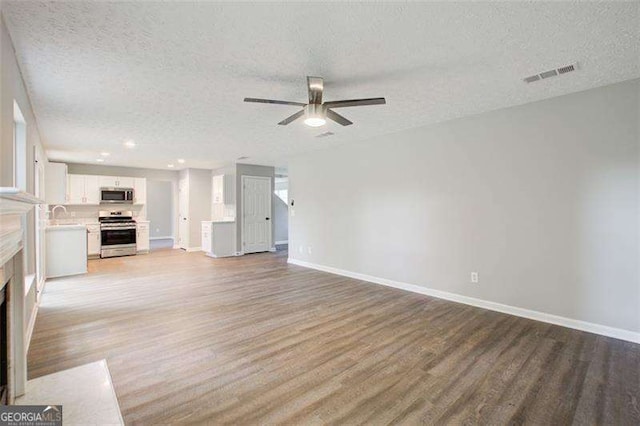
(253, 340)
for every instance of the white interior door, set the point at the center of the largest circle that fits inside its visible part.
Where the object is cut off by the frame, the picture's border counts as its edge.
(183, 212)
(256, 214)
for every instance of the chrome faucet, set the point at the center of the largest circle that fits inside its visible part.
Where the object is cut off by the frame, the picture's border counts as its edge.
(53, 210)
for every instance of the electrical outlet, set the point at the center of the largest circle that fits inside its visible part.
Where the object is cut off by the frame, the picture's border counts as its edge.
(309, 249)
(293, 212)
(300, 249)
(474, 278)
(73, 214)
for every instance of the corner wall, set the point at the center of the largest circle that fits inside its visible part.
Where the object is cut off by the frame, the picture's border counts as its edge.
(542, 200)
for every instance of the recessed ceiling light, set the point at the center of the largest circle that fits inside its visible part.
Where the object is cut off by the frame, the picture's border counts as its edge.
(181, 160)
(170, 166)
(100, 160)
(105, 154)
(129, 143)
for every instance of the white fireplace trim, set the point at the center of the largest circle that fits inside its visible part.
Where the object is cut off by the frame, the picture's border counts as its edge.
(13, 205)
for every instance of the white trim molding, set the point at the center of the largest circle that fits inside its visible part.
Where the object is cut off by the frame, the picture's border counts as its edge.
(281, 242)
(590, 327)
(190, 249)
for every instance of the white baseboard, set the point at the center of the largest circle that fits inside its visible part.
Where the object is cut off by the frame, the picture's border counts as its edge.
(603, 330)
(190, 249)
(160, 238)
(282, 242)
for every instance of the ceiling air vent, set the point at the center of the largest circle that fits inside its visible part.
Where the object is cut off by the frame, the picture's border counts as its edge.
(325, 134)
(551, 73)
(568, 68)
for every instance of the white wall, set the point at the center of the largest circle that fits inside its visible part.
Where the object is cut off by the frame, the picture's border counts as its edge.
(160, 208)
(12, 88)
(542, 200)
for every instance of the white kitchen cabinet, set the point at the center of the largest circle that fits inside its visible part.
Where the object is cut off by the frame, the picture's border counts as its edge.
(108, 181)
(91, 189)
(125, 182)
(223, 189)
(56, 183)
(140, 190)
(142, 236)
(116, 182)
(93, 240)
(206, 236)
(218, 238)
(75, 189)
(83, 189)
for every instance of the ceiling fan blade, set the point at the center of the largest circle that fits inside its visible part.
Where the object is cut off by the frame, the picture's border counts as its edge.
(315, 85)
(355, 102)
(338, 118)
(292, 118)
(272, 101)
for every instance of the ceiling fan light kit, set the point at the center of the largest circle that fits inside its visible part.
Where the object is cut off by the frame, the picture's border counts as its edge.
(315, 115)
(316, 112)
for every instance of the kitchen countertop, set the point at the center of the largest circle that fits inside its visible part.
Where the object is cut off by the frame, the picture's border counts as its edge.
(66, 227)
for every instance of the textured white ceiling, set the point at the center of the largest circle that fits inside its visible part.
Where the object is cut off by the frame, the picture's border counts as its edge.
(172, 76)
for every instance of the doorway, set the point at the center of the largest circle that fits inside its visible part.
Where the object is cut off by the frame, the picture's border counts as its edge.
(256, 214)
(160, 213)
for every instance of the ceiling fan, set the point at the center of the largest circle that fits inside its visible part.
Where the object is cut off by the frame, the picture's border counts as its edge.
(315, 111)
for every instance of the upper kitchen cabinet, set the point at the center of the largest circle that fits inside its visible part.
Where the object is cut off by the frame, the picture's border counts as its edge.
(140, 191)
(56, 183)
(83, 189)
(223, 189)
(116, 182)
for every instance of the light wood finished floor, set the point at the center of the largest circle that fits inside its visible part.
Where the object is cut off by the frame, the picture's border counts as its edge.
(249, 340)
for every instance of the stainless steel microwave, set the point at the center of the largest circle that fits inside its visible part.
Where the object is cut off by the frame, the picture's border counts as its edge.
(116, 195)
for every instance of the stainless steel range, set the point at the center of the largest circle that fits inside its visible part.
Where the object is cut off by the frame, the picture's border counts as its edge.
(117, 233)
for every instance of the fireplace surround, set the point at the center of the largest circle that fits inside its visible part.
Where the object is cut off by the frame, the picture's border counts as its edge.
(14, 204)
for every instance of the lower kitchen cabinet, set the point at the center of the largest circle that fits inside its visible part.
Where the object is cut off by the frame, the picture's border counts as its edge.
(142, 237)
(93, 240)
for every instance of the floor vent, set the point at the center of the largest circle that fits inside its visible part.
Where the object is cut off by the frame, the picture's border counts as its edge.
(551, 73)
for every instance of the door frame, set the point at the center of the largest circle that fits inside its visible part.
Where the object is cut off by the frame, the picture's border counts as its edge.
(242, 210)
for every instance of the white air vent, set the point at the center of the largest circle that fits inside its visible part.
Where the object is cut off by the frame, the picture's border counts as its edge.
(325, 134)
(551, 73)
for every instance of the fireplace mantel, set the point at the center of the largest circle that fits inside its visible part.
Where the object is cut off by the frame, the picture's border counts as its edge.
(14, 204)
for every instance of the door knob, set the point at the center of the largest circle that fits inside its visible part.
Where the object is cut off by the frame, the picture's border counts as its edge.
(266, 218)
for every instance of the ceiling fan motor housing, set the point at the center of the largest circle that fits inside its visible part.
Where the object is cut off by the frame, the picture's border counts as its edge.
(315, 114)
